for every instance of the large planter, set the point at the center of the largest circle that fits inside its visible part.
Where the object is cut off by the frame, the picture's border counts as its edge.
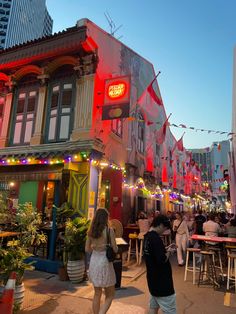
(75, 270)
(19, 294)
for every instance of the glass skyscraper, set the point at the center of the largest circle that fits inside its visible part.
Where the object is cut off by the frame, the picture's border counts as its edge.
(23, 20)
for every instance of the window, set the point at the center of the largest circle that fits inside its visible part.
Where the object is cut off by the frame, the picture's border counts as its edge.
(25, 112)
(141, 129)
(170, 158)
(117, 127)
(60, 111)
(2, 103)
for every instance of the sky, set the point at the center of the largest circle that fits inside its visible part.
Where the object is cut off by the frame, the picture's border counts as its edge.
(190, 41)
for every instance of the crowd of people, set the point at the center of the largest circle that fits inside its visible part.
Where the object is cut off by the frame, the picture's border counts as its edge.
(181, 226)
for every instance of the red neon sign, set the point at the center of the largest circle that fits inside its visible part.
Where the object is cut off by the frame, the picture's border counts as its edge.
(116, 90)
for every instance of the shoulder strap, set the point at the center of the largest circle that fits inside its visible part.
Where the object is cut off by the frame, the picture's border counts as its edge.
(108, 236)
(179, 225)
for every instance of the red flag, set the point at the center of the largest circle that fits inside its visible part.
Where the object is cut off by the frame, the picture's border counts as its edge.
(161, 133)
(179, 144)
(153, 94)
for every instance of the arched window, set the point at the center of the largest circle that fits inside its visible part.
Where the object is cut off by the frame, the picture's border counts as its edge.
(25, 108)
(61, 98)
(141, 133)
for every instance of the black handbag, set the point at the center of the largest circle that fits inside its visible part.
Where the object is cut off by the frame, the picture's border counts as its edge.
(110, 254)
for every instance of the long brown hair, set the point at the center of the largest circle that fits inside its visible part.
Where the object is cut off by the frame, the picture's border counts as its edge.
(99, 222)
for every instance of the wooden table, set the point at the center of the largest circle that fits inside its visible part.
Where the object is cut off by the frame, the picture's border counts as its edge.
(213, 239)
(5, 234)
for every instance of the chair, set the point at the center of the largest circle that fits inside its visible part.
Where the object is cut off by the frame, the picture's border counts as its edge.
(231, 273)
(207, 273)
(193, 268)
(133, 247)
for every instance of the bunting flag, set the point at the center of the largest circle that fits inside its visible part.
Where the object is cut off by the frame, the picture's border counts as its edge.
(161, 133)
(179, 144)
(153, 94)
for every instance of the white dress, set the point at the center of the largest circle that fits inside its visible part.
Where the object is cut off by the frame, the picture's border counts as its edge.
(101, 272)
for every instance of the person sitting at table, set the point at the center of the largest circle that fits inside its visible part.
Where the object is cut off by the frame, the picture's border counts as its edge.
(231, 228)
(211, 228)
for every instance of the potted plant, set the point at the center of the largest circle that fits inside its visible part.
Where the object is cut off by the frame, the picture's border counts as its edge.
(75, 238)
(13, 257)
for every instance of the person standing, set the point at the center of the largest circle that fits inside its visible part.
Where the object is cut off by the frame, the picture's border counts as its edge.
(101, 271)
(182, 236)
(159, 273)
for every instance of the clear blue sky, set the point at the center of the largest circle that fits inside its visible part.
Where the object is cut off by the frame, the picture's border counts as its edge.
(190, 41)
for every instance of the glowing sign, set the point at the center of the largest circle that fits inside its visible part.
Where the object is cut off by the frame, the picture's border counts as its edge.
(116, 98)
(116, 90)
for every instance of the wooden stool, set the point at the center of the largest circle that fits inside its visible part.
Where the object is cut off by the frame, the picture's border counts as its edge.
(230, 248)
(231, 270)
(133, 240)
(141, 238)
(207, 269)
(193, 268)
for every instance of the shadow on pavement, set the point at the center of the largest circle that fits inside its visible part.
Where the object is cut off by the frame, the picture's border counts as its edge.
(126, 292)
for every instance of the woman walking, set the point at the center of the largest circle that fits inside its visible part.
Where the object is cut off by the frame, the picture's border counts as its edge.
(182, 236)
(101, 271)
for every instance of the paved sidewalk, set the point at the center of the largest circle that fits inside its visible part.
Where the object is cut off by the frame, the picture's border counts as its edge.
(46, 294)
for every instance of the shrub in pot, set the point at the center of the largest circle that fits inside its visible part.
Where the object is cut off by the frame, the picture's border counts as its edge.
(75, 238)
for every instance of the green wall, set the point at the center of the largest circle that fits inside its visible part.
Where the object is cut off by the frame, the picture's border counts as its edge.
(28, 192)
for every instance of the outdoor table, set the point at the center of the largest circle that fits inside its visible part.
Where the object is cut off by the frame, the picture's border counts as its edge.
(213, 239)
(5, 234)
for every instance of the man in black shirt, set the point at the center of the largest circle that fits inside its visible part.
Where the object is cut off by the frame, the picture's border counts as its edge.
(159, 273)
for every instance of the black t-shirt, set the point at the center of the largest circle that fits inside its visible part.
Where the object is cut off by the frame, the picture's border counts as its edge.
(159, 274)
(199, 220)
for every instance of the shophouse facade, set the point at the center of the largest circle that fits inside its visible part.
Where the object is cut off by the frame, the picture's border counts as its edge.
(78, 124)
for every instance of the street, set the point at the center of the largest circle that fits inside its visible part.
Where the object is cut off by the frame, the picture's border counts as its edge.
(48, 295)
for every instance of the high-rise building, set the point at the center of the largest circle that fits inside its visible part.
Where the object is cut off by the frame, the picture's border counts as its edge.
(213, 162)
(23, 20)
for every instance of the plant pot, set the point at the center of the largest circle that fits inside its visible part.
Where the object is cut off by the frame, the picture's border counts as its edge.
(62, 273)
(76, 270)
(19, 294)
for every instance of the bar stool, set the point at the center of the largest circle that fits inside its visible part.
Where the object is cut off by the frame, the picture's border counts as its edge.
(230, 248)
(193, 268)
(231, 270)
(217, 252)
(133, 246)
(207, 269)
(140, 254)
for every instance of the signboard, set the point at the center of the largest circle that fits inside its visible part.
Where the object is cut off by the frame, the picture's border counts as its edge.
(117, 98)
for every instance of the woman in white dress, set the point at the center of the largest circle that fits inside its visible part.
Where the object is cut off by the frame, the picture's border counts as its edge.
(101, 271)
